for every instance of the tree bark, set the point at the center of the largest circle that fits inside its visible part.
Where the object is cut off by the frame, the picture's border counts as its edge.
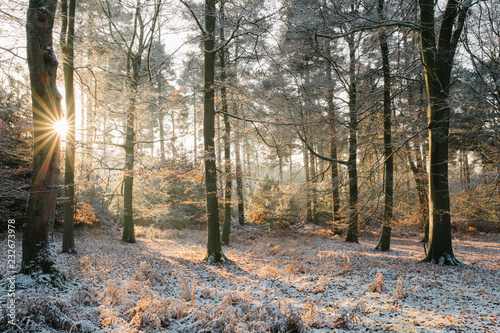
(437, 57)
(420, 177)
(314, 206)
(161, 113)
(39, 256)
(280, 164)
(384, 243)
(239, 180)
(195, 136)
(332, 121)
(352, 231)
(214, 248)
(237, 153)
(309, 216)
(128, 217)
(133, 68)
(67, 43)
(227, 137)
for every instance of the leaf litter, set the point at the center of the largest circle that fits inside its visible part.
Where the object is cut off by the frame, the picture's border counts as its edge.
(301, 280)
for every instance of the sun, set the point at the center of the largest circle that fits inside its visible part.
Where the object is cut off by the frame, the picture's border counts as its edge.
(61, 128)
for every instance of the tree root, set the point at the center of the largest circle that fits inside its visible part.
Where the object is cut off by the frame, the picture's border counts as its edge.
(445, 259)
(381, 248)
(216, 258)
(44, 270)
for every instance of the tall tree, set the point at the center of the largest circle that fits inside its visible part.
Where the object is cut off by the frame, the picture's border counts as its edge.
(161, 111)
(438, 54)
(307, 178)
(314, 179)
(214, 246)
(239, 178)
(38, 246)
(352, 231)
(332, 122)
(134, 49)
(67, 45)
(227, 134)
(384, 243)
(214, 249)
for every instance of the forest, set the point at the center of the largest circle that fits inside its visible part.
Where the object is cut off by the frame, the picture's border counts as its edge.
(250, 166)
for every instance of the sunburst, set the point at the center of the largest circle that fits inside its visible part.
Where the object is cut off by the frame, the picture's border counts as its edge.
(61, 128)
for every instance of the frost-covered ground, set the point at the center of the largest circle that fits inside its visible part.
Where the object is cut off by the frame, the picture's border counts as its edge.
(304, 280)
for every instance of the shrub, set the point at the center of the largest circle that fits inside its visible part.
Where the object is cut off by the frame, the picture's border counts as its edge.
(85, 215)
(274, 204)
(171, 196)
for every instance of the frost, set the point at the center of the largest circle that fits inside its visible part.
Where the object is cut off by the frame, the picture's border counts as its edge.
(304, 281)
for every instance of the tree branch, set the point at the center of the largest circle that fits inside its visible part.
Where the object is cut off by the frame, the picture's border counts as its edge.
(198, 23)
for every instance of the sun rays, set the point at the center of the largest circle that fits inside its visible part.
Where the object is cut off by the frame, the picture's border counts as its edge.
(51, 129)
(61, 128)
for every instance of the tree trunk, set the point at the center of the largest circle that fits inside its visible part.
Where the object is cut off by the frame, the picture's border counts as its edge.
(39, 256)
(332, 121)
(335, 181)
(384, 243)
(239, 179)
(214, 248)
(437, 57)
(161, 126)
(128, 211)
(280, 165)
(420, 177)
(466, 169)
(195, 136)
(352, 231)
(239, 182)
(67, 43)
(313, 175)
(237, 153)
(161, 113)
(309, 217)
(173, 139)
(218, 149)
(227, 138)
(128, 217)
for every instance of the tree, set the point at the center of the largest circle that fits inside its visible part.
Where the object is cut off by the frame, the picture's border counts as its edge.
(481, 43)
(38, 246)
(214, 249)
(67, 45)
(214, 246)
(437, 57)
(352, 231)
(332, 122)
(384, 243)
(134, 50)
(239, 179)
(227, 135)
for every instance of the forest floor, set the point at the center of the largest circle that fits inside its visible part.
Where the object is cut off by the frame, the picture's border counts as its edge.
(301, 280)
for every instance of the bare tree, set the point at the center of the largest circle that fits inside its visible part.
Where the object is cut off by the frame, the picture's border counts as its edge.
(214, 250)
(134, 49)
(438, 53)
(227, 135)
(67, 45)
(384, 243)
(214, 246)
(38, 245)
